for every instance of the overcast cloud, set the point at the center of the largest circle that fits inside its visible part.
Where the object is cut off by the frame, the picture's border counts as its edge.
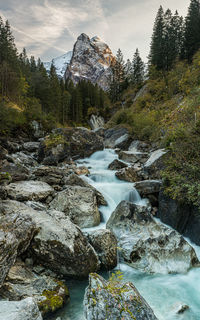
(49, 28)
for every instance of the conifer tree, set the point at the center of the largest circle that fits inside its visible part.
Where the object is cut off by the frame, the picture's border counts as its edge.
(157, 53)
(192, 30)
(138, 70)
(117, 81)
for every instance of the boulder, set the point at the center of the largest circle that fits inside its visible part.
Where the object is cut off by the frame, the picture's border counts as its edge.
(129, 174)
(133, 157)
(3, 153)
(138, 146)
(183, 217)
(16, 233)
(96, 122)
(79, 204)
(59, 246)
(21, 158)
(74, 180)
(31, 146)
(26, 309)
(68, 143)
(117, 165)
(114, 300)
(50, 294)
(29, 190)
(155, 163)
(37, 129)
(16, 172)
(105, 245)
(116, 138)
(148, 245)
(148, 187)
(52, 175)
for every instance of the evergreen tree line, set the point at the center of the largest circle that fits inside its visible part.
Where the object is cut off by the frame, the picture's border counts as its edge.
(26, 83)
(131, 73)
(175, 38)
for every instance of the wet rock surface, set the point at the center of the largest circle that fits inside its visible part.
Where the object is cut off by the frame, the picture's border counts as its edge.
(114, 300)
(147, 244)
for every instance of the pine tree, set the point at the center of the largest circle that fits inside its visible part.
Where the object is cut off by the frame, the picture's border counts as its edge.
(118, 77)
(192, 30)
(157, 53)
(138, 70)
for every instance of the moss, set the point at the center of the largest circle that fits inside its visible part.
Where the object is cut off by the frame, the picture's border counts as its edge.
(55, 299)
(53, 140)
(5, 176)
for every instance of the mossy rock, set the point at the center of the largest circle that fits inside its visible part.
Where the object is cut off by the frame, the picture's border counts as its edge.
(54, 299)
(53, 140)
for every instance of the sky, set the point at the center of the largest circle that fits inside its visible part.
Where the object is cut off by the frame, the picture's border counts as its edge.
(49, 28)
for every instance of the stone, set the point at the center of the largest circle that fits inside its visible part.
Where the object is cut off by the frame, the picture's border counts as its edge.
(37, 129)
(81, 170)
(105, 245)
(183, 217)
(180, 308)
(75, 180)
(116, 138)
(91, 61)
(16, 233)
(27, 160)
(79, 204)
(29, 190)
(26, 309)
(3, 153)
(52, 175)
(148, 245)
(112, 300)
(31, 146)
(129, 174)
(69, 143)
(36, 205)
(148, 187)
(96, 122)
(117, 165)
(138, 146)
(16, 172)
(59, 246)
(50, 294)
(155, 163)
(133, 157)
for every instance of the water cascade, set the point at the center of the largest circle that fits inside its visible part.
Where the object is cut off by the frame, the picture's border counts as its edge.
(163, 292)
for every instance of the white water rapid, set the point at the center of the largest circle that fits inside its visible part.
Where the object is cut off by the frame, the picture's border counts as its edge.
(162, 292)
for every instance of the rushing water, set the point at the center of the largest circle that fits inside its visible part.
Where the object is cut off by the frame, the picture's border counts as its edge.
(162, 292)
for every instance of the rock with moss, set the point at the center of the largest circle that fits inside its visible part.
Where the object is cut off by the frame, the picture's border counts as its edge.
(26, 309)
(79, 204)
(68, 143)
(129, 174)
(21, 282)
(59, 246)
(114, 299)
(16, 172)
(147, 244)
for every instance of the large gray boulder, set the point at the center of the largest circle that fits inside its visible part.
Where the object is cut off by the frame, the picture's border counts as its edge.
(26, 309)
(68, 143)
(17, 172)
(29, 190)
(148, 245)
(105, 245)
(75, 180)
(113, 299)
(155, 163)
(117, 165)
(129, 174)
(16, 233)
(133, 157)
(116, 138)
(79, 204)
(147, 187)
(61, 247)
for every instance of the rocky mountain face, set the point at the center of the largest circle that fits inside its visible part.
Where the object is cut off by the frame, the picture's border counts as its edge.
(91, 60)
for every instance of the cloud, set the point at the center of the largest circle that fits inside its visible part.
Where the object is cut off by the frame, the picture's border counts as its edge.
(46, 27)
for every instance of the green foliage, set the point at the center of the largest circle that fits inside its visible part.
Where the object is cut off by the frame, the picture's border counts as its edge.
(54, 140)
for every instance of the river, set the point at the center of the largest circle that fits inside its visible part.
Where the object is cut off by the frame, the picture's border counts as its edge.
(162, 292)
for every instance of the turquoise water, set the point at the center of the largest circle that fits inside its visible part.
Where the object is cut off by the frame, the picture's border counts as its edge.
(162, 292)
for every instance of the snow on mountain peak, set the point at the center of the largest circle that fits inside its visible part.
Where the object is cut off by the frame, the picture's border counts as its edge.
(60, 63)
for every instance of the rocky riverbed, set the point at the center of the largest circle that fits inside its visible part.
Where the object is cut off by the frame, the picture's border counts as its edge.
(54, 206)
